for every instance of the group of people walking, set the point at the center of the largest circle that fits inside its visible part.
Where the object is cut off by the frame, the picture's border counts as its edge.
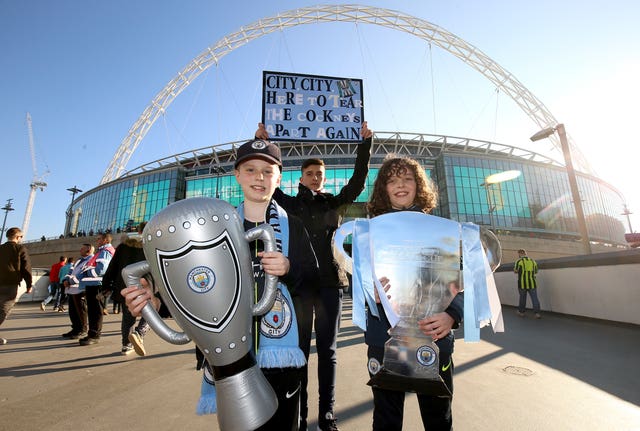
(96, 276)
(84, 283)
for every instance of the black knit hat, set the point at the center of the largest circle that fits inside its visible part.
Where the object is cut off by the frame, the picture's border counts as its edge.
(258, 149)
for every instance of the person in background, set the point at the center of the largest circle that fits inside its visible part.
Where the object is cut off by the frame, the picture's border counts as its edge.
(77, 299)
(129, 251)
(527, 268)
(66, 269)
(15, 266)
(91, 283)
(117, 305)
(321, 214)
(402, 185)
(54, 284)
(61, 298)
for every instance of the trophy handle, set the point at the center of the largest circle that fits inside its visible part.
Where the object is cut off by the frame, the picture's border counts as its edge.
(492, 247)
(265, 233)
(131, 275)
(339, 253)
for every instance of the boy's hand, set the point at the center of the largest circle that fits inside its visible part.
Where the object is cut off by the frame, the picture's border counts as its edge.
(274, 263)
(364, 131)
(437, 326)
(136, 298)
(261, 133)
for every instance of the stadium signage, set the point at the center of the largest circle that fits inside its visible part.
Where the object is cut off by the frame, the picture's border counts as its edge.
(299, 107)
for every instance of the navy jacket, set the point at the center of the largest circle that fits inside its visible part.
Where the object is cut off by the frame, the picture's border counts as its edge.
(321, 214)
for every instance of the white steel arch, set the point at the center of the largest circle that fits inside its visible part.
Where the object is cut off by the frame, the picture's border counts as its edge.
(440, 37)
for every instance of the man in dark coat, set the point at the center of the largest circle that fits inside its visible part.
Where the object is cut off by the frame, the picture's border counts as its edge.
(15, 266)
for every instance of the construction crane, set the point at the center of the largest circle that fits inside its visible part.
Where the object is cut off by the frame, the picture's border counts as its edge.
(36, 183)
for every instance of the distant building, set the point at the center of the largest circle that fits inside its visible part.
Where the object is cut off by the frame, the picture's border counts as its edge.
(537, 204)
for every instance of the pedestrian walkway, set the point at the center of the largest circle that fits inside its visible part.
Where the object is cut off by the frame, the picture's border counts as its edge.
(559, 373)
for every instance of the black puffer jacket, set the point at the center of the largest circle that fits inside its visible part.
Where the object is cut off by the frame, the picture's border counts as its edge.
(321, 214)
(129, 251)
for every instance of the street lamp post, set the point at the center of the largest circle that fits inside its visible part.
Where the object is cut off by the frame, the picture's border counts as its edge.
(627, 213)
(6, 210)
(573, 181)
(74, 190)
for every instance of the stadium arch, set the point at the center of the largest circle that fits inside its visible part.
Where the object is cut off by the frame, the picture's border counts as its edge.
(396, 20)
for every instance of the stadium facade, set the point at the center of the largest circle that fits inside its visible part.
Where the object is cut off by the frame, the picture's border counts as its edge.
(536, 204)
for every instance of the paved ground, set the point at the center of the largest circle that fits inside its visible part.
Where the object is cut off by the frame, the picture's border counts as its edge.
(558, 373)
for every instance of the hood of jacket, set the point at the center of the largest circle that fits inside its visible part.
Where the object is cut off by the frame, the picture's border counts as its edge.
(134, 240)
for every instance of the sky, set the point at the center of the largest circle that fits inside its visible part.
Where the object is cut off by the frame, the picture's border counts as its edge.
(86, 70)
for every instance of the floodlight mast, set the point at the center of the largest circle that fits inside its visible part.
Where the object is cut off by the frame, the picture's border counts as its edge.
(74, 190)
(544, 133)
(6, 210)
(626, 212)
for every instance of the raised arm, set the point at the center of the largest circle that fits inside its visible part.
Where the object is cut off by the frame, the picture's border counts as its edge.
(354, 187)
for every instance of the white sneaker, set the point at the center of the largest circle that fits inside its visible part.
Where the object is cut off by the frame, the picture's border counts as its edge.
(42, 306)
(138, 344)
(126, 349)
(3, 341)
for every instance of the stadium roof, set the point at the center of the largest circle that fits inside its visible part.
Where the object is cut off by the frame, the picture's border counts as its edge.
(418, 145)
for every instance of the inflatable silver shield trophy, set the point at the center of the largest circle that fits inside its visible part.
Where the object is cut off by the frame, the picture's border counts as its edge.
(198, 254)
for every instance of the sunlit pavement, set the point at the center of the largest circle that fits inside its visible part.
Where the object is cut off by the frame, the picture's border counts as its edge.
(557, 373)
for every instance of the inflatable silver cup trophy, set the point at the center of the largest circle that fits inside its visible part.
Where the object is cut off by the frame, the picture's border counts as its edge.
(420, 256)
(198, 254)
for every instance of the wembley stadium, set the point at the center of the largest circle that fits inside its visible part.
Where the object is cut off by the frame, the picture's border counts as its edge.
(536, 204)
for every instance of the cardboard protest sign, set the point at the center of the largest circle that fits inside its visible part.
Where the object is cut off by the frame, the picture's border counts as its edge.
(299, 107)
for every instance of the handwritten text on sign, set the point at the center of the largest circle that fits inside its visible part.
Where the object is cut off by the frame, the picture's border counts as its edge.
(308, 107)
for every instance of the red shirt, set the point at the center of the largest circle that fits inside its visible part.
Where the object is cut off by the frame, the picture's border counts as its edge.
(55, 272)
